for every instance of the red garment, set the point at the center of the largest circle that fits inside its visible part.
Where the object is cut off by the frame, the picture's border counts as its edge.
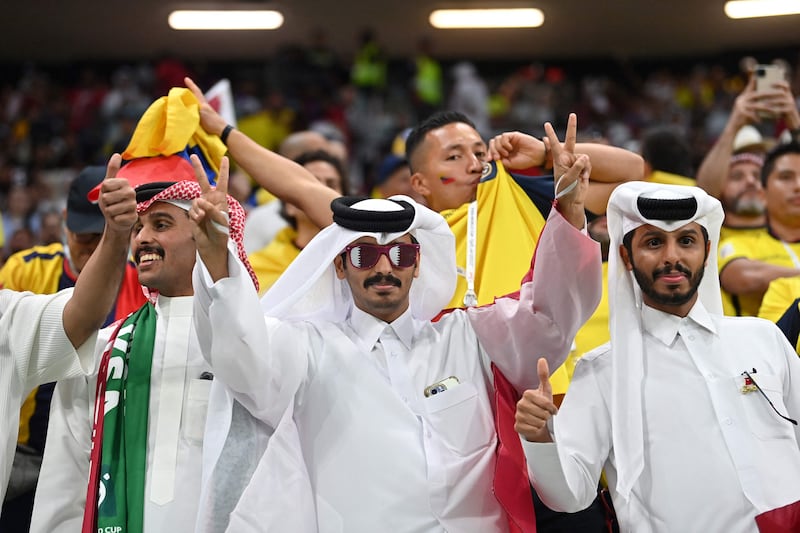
(511, 485)
(784, 519)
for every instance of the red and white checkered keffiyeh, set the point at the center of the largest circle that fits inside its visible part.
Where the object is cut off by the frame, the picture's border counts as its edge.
(189, 190)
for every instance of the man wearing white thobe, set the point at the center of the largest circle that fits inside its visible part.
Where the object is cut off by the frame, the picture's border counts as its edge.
(180, 381)
(39, 334)
(390, 415)
(677, 408)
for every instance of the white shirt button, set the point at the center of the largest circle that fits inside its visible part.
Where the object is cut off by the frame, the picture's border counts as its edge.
(691, 337)
(727, 421)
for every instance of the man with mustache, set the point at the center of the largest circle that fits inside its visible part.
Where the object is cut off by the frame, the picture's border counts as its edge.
(689, 413)
(124, 447)
(383, 419)
(748, 263)
(458, 173)
(164, 425)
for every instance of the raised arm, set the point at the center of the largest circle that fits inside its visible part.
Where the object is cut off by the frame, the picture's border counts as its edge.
(282, 177)
(610, 165)
(262, 364)
(560, 291)
(713, 170)
(97, 286)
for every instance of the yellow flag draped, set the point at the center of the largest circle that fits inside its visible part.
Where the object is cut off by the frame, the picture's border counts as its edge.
(509, 223)
(172, 125)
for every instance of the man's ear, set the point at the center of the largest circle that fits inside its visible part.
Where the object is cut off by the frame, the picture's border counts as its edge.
(416, 266)
(338, 264)
(626, 259)
(708, 250)
(420, 184)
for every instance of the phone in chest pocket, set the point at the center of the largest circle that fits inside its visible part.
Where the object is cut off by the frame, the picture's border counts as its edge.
(441, 386)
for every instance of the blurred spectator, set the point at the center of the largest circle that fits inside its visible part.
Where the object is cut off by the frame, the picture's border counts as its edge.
(269, 262)
(20, 213)
(124, 94)
(394, 177)
(264, 221)
(470, 96)
(428, 90)
(667, 157)
(270, 125)
(749, 262)
(368, 72)
(50, 231)
(169, 72)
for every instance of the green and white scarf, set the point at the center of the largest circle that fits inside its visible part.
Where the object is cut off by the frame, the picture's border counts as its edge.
(119, 437)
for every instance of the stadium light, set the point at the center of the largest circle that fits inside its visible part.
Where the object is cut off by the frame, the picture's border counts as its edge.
(225, 19)
(745, 9)
(486, 18)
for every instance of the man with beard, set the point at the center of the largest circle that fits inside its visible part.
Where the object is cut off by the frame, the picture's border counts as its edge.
(742, 196)
(748, 263)
(688, 412)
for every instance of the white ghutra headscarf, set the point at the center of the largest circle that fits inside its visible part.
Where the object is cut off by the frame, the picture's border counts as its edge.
(676, 206)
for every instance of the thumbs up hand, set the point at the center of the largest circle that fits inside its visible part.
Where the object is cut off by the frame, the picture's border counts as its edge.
(536, 407)
(117, 200)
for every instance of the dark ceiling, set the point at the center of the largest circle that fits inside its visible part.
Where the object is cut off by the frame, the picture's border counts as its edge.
(78, 30)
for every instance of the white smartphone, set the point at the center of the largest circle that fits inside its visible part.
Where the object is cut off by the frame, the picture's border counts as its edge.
(767, 76)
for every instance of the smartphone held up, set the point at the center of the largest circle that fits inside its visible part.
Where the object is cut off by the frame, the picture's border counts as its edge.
(766, 78)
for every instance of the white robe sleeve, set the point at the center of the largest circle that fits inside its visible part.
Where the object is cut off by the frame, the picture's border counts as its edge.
(33, 331)
(565, 289)
(565, 474)
(261, 360)
(61, 492)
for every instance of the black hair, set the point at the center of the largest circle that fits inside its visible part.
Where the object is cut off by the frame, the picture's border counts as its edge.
(311, 157)
(433, 122)
(773, 155)
(326, 157)
(665, 149)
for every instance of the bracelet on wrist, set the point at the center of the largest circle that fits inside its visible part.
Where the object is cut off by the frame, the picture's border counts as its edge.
(225, 132)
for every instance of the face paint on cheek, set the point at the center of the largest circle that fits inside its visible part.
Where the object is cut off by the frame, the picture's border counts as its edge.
(447, 180)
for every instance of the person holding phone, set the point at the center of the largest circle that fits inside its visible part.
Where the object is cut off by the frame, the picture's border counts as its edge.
(731, 170)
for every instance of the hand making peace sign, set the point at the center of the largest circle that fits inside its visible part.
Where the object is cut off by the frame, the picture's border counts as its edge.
(209, 212)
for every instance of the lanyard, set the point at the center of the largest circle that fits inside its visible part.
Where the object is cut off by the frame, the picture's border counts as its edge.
(470, 297)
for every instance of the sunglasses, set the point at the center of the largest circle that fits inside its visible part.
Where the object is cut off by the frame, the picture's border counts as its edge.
(363, 256)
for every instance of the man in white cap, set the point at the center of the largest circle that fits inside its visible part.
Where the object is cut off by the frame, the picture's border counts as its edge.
(688, 412)
(383, 419)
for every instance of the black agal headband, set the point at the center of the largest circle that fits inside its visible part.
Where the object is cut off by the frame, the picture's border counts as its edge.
(667, 209)
(371, 221)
